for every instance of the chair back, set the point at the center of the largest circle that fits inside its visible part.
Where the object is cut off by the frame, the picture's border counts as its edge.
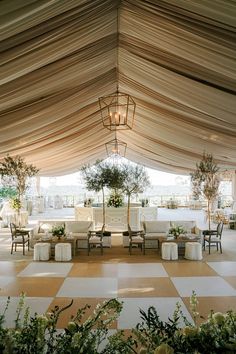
(220, 229)
(13, 230)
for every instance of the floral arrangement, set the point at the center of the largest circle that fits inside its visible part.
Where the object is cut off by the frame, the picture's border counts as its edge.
(115, 200)
(176, 231)
(15, 203)
(58, 231)
(38, 333)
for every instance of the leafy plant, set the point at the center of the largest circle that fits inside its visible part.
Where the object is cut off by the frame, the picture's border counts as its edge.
(176, 231)
(8, 192)
(37, 333)
(135, 180)
(205, 181)
(15, 172)
(58, 230)
(100, 176)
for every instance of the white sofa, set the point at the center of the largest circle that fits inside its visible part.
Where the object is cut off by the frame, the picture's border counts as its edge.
(154, 229)
(78, 229)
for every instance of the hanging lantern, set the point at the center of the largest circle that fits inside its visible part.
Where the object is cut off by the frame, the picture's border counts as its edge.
(115, 147)
(117, 111)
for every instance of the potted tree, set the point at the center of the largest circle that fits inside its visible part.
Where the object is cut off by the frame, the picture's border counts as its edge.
(15, 173)
(205, 182)
(102, 175)
(135, 180)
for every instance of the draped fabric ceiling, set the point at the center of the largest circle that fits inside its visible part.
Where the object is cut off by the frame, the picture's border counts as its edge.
(176, 58)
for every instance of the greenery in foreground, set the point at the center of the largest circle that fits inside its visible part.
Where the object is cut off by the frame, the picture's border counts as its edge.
(37, 334)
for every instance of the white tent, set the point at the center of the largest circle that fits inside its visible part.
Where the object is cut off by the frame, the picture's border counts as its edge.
(176, 58)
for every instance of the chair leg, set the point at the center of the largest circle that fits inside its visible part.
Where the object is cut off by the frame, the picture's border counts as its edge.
(130, 247)
(23, 249)
(209, 247)
(220, 248)
(204, 245)
(12, 248)
(101, 249)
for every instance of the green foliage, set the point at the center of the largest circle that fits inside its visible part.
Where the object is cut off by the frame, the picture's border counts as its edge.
(205, 181)
(58, 230)
(8, 192)
(37, 333)
(100, 176)
(177, 230)
(135, 179)
(14, 172)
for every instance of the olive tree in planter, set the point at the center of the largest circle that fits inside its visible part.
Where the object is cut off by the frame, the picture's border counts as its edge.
(15, 173)
(205, 182)
(102, 175)
(135, 180)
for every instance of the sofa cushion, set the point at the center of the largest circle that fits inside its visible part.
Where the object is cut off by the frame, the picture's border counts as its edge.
(156, 226)
(188, 226)
(78, 226)
(154, 235)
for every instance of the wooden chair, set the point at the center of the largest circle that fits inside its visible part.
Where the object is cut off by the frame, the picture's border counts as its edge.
(19, 237)
(95, 239)
(136, 238)
(213, 237)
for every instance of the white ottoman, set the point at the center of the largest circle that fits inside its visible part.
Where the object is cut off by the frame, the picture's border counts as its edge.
(42, 251)
(193, 251)
(169, 251)
(63, 252)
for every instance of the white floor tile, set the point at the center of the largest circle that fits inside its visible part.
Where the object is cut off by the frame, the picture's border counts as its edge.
(37, 305)
(141, 270)
(39, 269)
(165, 307)
(224, 268)
(5, 280)
(203, 286)
(88, 287)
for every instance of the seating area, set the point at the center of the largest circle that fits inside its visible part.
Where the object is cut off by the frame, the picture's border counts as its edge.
(137, 279)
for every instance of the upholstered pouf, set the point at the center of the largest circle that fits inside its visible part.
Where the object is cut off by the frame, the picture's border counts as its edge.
(193, 251)
(42, 251)
(63, 252)
(169, 251)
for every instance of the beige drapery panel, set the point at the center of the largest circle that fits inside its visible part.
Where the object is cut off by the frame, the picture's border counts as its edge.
(175, 57)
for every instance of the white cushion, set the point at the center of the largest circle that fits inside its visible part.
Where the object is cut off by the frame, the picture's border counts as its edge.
(189, 226)
(154, 235)
(78, 226)
(156, 226)
(80, 235)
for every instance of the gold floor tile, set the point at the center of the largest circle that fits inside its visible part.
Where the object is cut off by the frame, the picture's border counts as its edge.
(78, 303)
(32, 286)
(231, 281)
(93, 270)
(188, 269)
(146, 287)
(12, 268)
(217, 304)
